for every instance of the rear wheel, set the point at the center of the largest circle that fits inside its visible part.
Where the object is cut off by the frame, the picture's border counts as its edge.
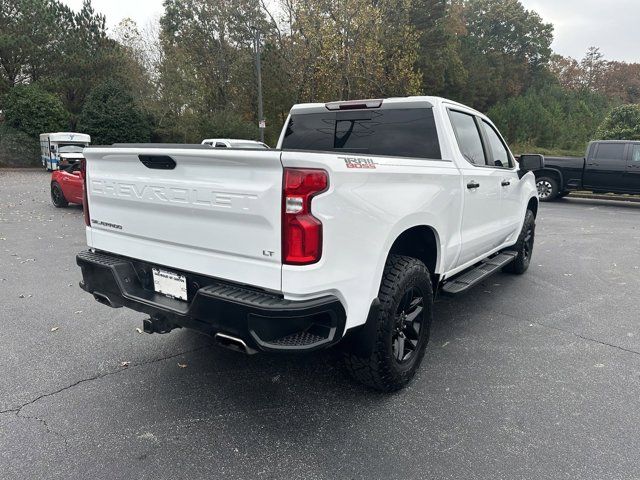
(524, 246)
(547, 188)
(57, 196)
(402, 330)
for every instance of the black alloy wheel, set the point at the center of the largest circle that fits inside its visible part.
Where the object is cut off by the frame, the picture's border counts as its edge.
(408, 322)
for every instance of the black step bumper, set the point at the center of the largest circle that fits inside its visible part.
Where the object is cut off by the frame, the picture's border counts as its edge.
(263, 320)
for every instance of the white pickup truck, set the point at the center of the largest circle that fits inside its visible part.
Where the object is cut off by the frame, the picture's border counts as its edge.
(342, 234)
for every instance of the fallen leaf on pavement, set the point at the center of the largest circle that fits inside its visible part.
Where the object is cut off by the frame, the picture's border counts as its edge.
(182, 365)
(138, 329)
(53, 329)
(125, 364)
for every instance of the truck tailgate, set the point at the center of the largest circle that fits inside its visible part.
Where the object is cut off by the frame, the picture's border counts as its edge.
(217, 212)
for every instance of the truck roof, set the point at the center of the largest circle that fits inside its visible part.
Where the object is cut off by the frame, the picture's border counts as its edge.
(418, 101)
(67, 137)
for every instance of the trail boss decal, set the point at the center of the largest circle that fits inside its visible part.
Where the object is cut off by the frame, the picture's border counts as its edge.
(358, 162)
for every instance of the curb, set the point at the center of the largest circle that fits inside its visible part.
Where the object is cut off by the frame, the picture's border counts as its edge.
(612, 197)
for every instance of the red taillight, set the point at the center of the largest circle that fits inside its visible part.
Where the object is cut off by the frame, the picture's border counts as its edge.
(85, 200)
(301, 231)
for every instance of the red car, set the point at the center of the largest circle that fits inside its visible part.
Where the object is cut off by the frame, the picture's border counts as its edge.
(66, 186)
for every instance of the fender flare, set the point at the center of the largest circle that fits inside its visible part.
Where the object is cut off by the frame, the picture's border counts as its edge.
(539, 173)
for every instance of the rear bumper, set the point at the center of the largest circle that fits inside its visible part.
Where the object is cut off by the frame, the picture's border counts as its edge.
(263, 320)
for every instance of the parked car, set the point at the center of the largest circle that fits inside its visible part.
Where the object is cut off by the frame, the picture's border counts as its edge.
(343, 234)
(233, 143)
(610, 166)
(66, 186)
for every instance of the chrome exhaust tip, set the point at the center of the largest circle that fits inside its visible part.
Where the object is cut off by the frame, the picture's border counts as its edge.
(233, 343)
(103, 299)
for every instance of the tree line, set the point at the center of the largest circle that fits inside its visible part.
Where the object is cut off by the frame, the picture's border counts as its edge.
(192, 75)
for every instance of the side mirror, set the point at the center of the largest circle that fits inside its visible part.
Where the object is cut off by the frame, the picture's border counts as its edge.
(531, 161)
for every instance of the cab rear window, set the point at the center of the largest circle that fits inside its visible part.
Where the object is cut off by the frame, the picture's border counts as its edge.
(409, 132)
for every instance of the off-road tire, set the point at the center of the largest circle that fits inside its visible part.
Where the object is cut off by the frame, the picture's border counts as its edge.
(524, 246)
(382, 370)
(57, 196)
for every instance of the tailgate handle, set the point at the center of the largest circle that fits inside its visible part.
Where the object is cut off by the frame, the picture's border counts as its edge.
(158, 162)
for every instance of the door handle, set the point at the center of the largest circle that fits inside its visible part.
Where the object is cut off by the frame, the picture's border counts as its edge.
(506, 183)
(472, 185)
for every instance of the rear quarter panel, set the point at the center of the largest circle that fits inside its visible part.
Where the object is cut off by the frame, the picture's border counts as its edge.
(363, 212)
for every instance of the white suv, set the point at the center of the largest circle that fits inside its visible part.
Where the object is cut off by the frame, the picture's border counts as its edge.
(233, 143)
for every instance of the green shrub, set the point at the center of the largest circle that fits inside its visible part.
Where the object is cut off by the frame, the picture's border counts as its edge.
(18, 149)
(32, 110)
(551, 118)
(623, 123)
(110, 115)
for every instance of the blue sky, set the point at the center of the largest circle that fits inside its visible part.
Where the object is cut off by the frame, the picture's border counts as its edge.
(611, 25)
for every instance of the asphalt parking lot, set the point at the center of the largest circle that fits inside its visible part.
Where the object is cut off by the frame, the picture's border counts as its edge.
(536, 376)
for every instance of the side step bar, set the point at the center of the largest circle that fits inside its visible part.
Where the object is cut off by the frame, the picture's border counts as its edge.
(479, 273)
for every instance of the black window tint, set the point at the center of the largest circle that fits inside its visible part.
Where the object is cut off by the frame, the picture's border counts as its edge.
(610, 151)
(409, 132)
(221, 145)
(500, 154)
(468, 137)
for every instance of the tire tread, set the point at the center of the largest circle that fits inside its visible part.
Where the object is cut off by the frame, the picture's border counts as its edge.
(376, 370)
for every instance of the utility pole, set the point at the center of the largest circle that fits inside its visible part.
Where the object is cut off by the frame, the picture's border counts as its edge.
(261, 120)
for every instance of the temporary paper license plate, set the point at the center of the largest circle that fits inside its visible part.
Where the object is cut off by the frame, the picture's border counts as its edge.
(170, 283)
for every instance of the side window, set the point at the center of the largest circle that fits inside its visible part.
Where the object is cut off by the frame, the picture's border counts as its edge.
(610, 151)
(635, 154)
(499, 152)
(468, 137)
(221, 145)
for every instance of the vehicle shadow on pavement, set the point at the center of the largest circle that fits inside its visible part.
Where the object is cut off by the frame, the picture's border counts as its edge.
(249, 384)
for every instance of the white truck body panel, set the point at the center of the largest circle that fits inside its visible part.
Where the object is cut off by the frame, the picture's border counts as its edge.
(218, 213)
